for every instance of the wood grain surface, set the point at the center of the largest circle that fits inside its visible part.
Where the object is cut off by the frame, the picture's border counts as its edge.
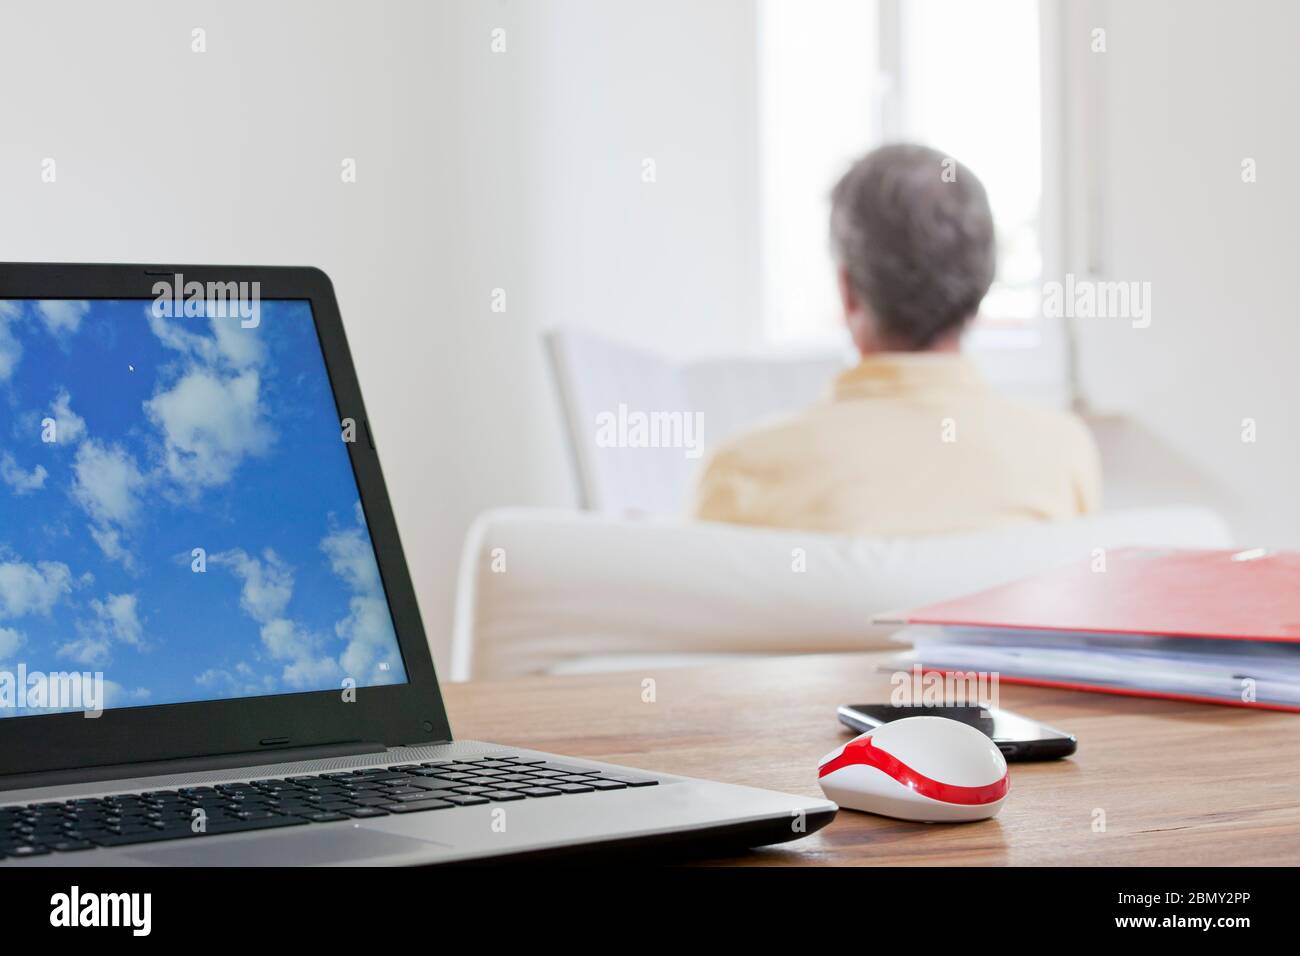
(1178, 784)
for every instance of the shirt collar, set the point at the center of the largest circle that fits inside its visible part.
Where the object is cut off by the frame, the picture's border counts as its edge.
(894, 373)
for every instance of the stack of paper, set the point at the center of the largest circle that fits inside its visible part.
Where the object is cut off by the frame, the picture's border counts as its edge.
(1227, 671)
(1217, 626)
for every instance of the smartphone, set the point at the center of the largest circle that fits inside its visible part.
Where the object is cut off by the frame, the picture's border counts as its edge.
(1019, 738)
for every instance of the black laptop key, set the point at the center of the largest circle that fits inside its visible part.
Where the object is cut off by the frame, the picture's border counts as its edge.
(24, 850)
(108, 838)
(406, 792)
(573, 788)
(541, 792)
(379, 800)
(390, 778)
(503, 796)
(566, 769)
(415, 806)
(422, 796)
(363, 812)
(465, 800)
(631, 780)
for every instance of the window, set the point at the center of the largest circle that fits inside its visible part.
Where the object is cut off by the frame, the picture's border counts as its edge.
(821, 102)
(969, 85)
(837, 77)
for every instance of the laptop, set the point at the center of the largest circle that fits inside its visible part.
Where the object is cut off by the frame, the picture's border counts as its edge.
(210, 647)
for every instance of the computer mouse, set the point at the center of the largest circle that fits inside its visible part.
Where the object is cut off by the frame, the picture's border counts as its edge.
(933, 769)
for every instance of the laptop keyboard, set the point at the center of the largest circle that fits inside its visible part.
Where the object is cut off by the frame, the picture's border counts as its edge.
(189, 812)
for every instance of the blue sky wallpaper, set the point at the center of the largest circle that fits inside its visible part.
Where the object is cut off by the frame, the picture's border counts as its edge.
(127, 441)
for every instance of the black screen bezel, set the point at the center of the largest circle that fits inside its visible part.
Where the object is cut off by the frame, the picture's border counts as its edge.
(390, 715)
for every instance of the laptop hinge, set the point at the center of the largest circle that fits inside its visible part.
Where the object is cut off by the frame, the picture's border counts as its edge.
(184, 765)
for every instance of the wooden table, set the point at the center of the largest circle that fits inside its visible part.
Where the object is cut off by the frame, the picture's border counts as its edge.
(1185, 784)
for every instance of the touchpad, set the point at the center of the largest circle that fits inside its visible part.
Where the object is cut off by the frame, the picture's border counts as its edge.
(303, 846)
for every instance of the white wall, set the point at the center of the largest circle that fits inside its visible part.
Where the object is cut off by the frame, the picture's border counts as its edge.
(1188, 89)
(523, 171)
(476, 171)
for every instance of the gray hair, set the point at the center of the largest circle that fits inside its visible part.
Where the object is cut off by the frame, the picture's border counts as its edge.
(913, 231)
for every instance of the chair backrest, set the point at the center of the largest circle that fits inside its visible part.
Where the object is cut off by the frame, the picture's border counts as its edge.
(608, 391)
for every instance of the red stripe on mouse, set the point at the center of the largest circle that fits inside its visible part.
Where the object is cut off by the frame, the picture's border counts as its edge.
(865, 752)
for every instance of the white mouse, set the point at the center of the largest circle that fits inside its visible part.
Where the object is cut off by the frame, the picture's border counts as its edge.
(918, 768)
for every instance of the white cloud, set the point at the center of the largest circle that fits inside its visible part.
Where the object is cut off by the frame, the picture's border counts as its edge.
(353, 559)
(10, 641)
(368, 628)
(119, 616)
(312, 672)
(237, 346)
(107, 482)
(267, 590)
(230, 345)
(268, 583)
(210, 417)
(242, 681)
(116, 621)
(304, 666)
(62, 316)
(88, 650)
(115, 695)
(32, 588)
(69, 427)
(110, 542)
(22, 482)
(209, 424)
(11, 350)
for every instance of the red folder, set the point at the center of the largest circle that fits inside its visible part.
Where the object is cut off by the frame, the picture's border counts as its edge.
(1237, 595)
(1232, 595)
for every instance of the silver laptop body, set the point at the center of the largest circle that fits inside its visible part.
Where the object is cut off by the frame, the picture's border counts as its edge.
(266, 697)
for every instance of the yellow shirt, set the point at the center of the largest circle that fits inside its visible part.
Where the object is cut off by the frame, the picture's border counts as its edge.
(908, 443)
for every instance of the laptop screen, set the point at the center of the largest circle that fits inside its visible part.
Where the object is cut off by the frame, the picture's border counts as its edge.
(179, 519)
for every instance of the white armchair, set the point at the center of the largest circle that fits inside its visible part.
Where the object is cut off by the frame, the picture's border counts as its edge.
(548, 591)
